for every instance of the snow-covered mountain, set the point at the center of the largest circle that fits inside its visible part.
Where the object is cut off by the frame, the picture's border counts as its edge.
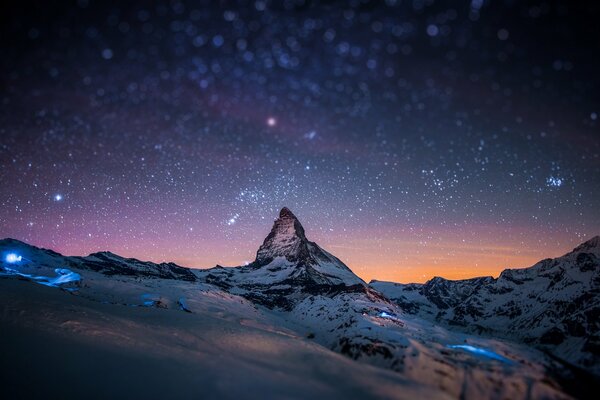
(295, 323)
(287, 267)
(107, 263)
(554, 305)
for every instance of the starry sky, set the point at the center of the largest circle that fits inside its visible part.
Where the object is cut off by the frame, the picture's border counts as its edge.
(411, 138)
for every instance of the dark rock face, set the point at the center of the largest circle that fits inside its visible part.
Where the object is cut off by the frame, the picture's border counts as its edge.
(587, 262)
(356, 350)
(286, 239)
(445, 294)
(111, 264)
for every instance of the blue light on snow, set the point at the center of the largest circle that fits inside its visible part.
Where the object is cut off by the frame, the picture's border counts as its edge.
(481, 352)
(390, 316)
(150, 299)
(12, 258)
(63, 276)
(183, 305)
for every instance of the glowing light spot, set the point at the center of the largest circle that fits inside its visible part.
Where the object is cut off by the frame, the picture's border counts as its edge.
(58, 197)
(271, 121)
(150, 300)
(480, 351)
(391, 317)
(63, 276)
(12, 258)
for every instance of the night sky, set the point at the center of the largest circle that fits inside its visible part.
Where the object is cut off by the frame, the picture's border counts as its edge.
(411, 138)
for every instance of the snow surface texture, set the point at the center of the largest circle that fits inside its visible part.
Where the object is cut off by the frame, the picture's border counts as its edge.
(296, 323)
(554, 305)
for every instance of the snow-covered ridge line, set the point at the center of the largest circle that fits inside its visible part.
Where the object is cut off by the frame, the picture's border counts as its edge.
(554, 305)
(104, 262)
(297, 290)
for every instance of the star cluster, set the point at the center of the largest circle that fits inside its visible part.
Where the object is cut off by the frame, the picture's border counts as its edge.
(411, 138)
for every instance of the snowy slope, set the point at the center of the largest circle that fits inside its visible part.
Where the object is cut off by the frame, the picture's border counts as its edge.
(202, 333)
(296, 323)
(34, 259)
(554, 304)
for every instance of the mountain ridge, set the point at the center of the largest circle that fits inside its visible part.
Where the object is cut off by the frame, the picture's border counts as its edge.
(423, 334)
(554, 304)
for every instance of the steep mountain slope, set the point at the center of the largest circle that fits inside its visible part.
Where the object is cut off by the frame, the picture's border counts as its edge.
(554, 304)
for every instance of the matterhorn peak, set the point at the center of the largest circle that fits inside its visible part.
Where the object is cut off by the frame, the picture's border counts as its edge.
(286, 239)
(286, 213)
(286, 246)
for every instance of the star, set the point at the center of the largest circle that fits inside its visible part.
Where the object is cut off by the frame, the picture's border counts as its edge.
(233, 219)
(553, 181)
(310, 135)
(350, 134)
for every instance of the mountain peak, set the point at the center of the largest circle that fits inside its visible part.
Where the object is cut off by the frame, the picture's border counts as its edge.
(288, 256)
(286, 213)
(286, 239)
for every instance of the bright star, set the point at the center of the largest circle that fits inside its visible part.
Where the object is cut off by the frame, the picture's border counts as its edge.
(58, 197)
(271, 121)
(233, 219)
(554, 181)
(310, 135)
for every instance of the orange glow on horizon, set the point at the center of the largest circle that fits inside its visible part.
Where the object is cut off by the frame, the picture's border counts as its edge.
(375, 254)
(372, 259)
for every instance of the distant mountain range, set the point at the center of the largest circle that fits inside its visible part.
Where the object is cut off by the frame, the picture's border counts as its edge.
(554, 305)
(531, 332)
